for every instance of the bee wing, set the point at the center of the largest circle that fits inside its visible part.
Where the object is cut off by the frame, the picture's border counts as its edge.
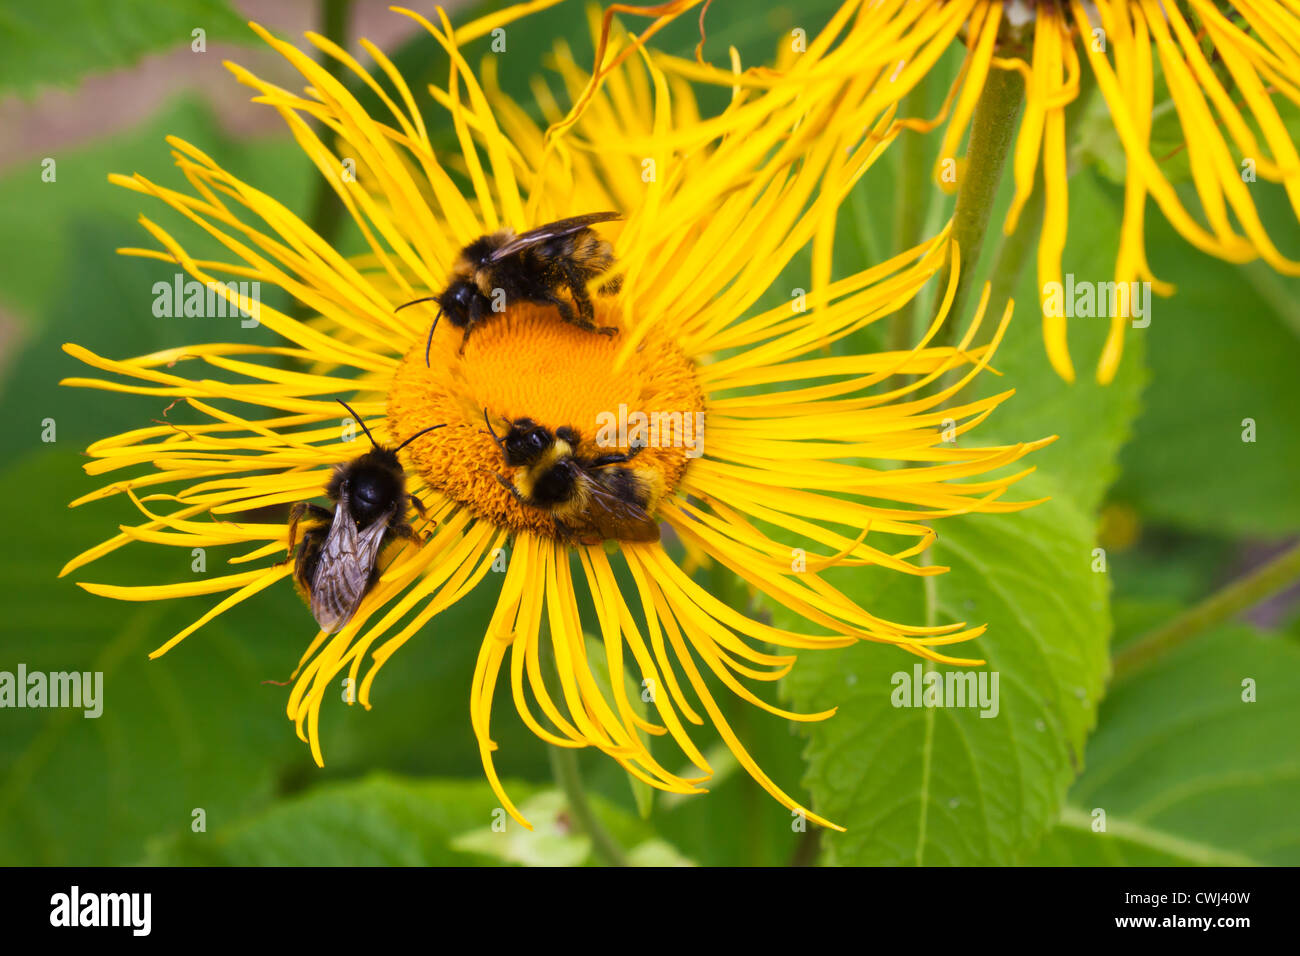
(561, 227)
(343, 574)
(615, 517)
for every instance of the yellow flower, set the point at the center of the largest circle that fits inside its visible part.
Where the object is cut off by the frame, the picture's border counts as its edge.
(1225, 66)
(810, 459)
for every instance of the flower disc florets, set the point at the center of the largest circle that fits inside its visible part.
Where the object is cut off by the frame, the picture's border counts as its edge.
(528, 363)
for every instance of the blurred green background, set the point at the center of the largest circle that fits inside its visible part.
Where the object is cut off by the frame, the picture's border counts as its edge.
(1152, 468)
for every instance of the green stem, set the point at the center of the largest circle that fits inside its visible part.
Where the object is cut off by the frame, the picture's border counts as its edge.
(568, 772)
(1014, 251)
(993, 128)
(564, 765)
(1013, 254)
(1238, 596)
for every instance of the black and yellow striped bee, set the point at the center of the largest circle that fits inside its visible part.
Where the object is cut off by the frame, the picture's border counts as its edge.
(590, 498)
(534, 266)
(336, 563)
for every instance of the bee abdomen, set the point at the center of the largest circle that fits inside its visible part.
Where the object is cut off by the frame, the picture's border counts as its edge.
(594, 253)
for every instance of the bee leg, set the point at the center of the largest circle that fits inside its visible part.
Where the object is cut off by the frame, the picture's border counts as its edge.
(296, 514)
(418, 505)
(612, 287)
(408, 533)
(582, 298)
(510, 486)
(565, 310)
(475, 316)
(616, 458)
(424, 515)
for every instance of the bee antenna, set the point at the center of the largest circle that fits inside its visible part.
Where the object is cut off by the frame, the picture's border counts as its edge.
(429, 344)
(358, 421)
(488, 421)
(422, 431)
(427, 298)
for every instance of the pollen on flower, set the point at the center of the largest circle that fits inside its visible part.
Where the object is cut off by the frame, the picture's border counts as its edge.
(528, 363)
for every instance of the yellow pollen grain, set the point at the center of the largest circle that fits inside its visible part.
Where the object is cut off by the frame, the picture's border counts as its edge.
(529, 363)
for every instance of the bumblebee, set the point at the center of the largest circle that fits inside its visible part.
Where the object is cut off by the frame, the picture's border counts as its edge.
(534, 266)
(591, 499)
(336, 563)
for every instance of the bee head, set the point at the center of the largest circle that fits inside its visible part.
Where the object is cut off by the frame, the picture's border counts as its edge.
(373, 484)
(524, 443)
(458, 300)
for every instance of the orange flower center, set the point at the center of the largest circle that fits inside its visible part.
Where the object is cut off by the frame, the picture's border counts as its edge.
(529, 363)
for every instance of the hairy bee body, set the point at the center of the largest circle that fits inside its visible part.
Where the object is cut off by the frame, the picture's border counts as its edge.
(590, 498)
(536, 273)
(537, 266)
(336, 563)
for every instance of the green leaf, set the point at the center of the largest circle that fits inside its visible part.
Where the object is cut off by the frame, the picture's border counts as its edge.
(194, 730)
(1222, 351)
(1185, 770)
(47, 43)
(386, 820)
(1092, 421)
(551, 842)
(1100, 145)
(554, 842)
(949, 786)
(1074, 842)
(379, 821)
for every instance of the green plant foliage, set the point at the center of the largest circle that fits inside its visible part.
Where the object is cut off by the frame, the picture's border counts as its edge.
(384, 820)
(1223, 355)
(198, 731)
(1092, 421)
(1187, 770)
(949, 786)
(42, 219)
(38, 38)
